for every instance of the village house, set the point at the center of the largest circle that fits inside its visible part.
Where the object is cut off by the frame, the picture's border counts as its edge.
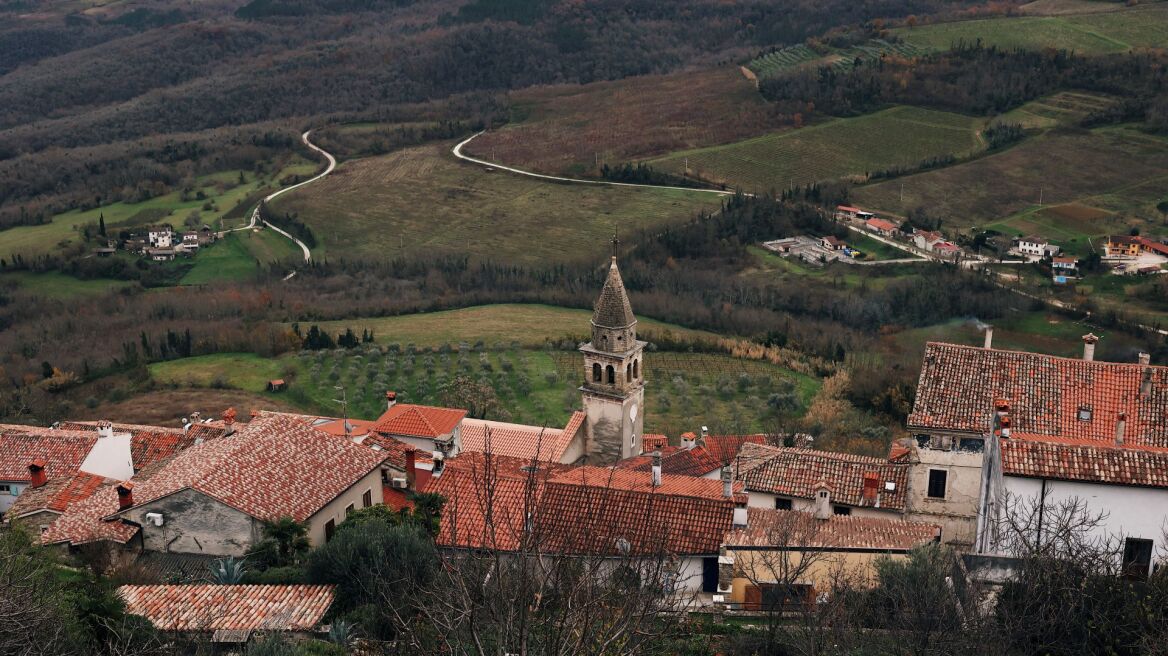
(925, 239)
(160, 254)
(849, 213)
(161, 237)
(1132, 246)
(1035, 247)
(833, 243)
(1063, 268)
(785, 478)
(213, 498)
(1048, 429)
(780, 560)
(881, 227)
(431, 429)
(231, 614)
(703, 457)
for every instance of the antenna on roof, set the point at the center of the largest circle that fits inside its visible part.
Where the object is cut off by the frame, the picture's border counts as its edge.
(344, 401)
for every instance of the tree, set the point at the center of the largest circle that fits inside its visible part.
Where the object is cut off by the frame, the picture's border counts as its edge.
(101, 224)
(479, 399)
(285, 543)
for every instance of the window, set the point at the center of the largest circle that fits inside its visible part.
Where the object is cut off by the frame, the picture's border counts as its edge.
(637, 369)
(782, 504)
(1137, 558)
(348, 510)
(629, 371)
(842, 510)
(330, 527)
(937, 480)
(1084, 413)
(596, 373)
(367, 499)
(611, 375)
(5, 489)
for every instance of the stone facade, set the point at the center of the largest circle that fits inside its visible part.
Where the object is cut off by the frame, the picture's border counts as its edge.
(961, 458)
(614, 383)
(195, 523)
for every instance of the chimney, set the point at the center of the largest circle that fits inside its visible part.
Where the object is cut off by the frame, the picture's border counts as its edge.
(989, 337)
(822, 501)
(727, 484)
(36, 473)
(390, 399)
(195, 417)
(1089, 341)
(1120, 428)
(871, 486)
(688, 440)
(657, 468)
(705, 433)
(105, 429)
(741, 516)
(1002, 413)
(125, 495)
(229, 420)
(411, 468)
(1145, 358)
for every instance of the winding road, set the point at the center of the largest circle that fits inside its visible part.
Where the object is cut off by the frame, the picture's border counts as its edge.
(457, 151)
(255, 214)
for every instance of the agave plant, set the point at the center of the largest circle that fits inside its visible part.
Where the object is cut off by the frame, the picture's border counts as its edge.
(227, 571)
(341, 633)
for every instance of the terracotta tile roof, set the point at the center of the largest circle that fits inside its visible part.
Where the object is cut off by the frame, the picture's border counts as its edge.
(62, 450)
(519, 441)
(149, 444)
(58, 494)
(486, 502)
(204, 607)
(792, 529)
(959, 384)
(653, 441)
(792, 472)
(637, 481)
(84, 521)
(881, 224)
(395, 450)
(713, 452)
(395, 498)
(411, 420)
(1082, 460)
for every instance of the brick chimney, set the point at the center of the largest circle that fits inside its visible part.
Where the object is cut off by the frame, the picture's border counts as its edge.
(390, 399)
(36, 473)
(1145, 358)
(657, 468)
(871, 487)
(822, 501)
(1089, 342)
(1002, 413)
(229, 420)
(411, 468)
(989, 337)
(1120, 428)
(125, 495)
(727, 483)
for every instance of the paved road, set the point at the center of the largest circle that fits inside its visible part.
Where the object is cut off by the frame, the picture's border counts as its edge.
(255, 214)
(555, 178)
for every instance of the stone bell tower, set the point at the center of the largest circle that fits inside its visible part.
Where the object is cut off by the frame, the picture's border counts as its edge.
(614, 383)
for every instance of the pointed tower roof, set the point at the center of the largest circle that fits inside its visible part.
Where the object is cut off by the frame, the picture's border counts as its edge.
(612, 308)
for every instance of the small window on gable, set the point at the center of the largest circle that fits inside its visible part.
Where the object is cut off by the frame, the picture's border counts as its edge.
(782, 504)
(1084, 413)
(842, 510)
(367, 499)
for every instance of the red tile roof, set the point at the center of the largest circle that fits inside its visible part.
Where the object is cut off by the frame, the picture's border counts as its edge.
(149, 444)
(653, 441)
(57, 495)
(411, 420)
(636, 481)
(959, 385)
(395, 450)
(62, 450)
(792, 529)
(84, 521)
(487, 500)
(519, 441)
(792, 472)
(229, 607)
(881, 224)
(1084, 460)
(714, 452)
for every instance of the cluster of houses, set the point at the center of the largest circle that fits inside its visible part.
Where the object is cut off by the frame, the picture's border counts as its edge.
(1135, 255)
(162, 244)
(987, 426)
(931, 242)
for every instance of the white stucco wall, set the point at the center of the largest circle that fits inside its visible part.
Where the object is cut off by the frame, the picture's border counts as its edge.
(14, 490)
(1135, 512)
(767, 500)
(335, 509)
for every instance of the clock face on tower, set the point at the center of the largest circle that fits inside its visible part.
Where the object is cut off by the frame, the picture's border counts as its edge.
(633, 412)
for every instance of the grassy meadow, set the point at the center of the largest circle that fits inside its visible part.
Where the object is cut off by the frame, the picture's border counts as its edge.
(836, 148)
(238, 256)
(785, 59)
(1085, 33)
(1118, 173)
(423, 201)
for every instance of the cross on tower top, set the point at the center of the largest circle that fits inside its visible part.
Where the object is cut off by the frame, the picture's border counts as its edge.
(615, 244)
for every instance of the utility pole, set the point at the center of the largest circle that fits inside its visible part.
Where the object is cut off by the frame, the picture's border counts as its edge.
(344, 401)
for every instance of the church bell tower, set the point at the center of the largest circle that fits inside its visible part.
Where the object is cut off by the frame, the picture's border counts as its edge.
(614, 383)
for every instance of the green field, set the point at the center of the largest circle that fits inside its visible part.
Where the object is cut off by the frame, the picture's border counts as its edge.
(222, 190)
(838, 148)
(1062, 108)
(784, 59)
(684, 390)
(1092, 34)
(238, 256)
(422, 201)
(1119, 170)
(59, 286)
(526, 325)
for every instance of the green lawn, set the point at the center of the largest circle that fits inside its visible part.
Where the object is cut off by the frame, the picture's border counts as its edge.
(684, 390)
(1062, 108)
(59, 286)
(1091, 34)
(526, 324)
(837, 148)
(873, 249)
(421, 201)
(229, 260)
